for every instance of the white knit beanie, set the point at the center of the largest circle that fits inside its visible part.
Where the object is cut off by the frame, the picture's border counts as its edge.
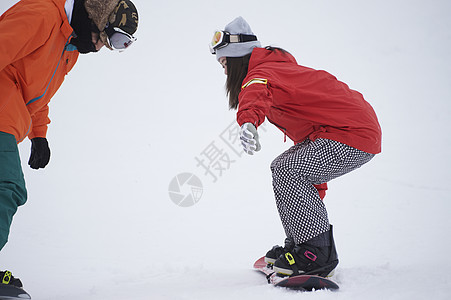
(237, 26)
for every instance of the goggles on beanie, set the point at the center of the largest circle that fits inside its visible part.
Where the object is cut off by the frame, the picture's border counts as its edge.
(223, 38)
(118, 38)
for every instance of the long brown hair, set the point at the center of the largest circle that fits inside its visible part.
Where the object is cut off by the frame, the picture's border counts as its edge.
(236, 72)
(237, 68)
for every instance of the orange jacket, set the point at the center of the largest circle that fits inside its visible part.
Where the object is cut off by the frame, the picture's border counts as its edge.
(35, 55)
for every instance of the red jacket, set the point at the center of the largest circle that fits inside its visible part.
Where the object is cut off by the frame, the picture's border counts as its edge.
(306, 103)
(35, 55)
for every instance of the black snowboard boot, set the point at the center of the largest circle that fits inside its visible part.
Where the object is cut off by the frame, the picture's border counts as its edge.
(307, 259)
(8, 278)
(276, 251)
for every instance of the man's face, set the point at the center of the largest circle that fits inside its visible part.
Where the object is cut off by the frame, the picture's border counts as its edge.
(96, 41)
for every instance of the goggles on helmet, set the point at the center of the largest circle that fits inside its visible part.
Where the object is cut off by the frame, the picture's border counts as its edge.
(223, 38)
(118, 38)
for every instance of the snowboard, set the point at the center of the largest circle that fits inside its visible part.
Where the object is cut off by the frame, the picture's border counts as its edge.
(299, 282)
(11, 292)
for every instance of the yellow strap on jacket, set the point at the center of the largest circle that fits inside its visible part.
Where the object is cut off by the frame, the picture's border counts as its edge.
(255, 80)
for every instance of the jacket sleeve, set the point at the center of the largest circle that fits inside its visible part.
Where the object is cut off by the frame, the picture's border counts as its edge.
(40, 121)
(254, 102)
(22, 31)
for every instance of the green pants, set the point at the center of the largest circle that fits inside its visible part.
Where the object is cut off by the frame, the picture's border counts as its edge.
(13, 192)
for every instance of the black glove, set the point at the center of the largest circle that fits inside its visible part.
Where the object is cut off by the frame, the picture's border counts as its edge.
(40, 153)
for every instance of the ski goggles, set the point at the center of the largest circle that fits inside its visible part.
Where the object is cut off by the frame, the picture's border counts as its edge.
(118, 38)
(223, 38)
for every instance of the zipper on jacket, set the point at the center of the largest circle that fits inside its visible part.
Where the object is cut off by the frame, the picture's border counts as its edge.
(28, 132)
(45, 91)
(51, 78)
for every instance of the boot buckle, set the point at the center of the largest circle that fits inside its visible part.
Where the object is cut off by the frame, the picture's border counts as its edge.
(310, 255)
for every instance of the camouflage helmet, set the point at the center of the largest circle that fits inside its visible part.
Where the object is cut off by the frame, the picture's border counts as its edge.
(120, 14)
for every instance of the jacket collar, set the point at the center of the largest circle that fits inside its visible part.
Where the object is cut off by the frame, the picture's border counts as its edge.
(260, 55)
(65, 27)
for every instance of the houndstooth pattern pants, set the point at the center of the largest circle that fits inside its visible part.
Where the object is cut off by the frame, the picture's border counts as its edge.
(295, 171)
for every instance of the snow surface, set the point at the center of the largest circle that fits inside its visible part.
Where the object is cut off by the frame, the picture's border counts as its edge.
(99, 223)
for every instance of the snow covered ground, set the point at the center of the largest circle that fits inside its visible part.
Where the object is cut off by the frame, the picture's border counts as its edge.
(100, 223)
